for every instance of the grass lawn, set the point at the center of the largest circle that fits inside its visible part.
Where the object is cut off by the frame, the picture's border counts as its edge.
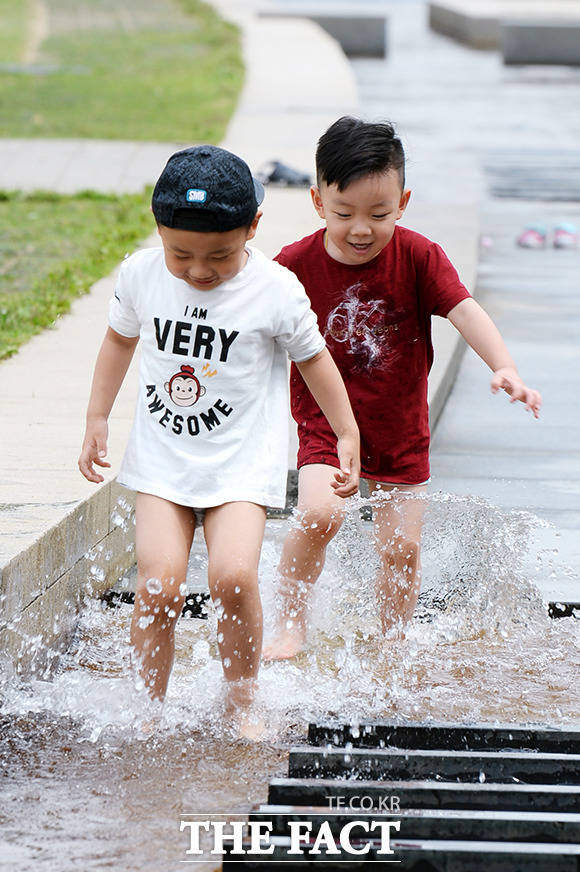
(165, 70)
(53, 248)
(14, 18)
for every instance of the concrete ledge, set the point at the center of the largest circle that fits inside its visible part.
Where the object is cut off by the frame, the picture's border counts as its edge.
(479, 23)
(477, 30)
(42, 587)
(362, 34)
(541, 42)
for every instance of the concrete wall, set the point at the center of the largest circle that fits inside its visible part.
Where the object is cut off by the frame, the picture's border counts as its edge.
(479, 23)
(545, 42)
(477, 29)
(42, 587)
(359, 34)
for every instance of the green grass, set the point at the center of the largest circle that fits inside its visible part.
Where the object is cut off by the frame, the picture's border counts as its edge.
(14, 16)
(171, 72)
(53, 248)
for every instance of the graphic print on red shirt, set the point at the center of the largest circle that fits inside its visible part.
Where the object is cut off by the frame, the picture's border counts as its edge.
(376, 319)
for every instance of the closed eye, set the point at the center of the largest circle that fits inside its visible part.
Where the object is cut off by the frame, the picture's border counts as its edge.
(343, 214)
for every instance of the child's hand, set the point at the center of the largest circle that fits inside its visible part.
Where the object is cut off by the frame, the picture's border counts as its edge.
(94, 449)
(346, 480)
(508, 380)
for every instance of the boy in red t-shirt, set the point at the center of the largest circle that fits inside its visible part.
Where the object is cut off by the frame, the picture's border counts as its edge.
(374, 287)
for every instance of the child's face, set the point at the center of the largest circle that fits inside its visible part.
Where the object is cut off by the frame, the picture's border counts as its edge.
(205, 260)
(360, 220)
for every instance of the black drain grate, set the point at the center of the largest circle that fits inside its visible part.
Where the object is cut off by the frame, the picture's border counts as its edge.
(466, 798)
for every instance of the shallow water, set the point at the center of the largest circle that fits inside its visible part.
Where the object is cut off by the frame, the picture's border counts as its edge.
(82, 789)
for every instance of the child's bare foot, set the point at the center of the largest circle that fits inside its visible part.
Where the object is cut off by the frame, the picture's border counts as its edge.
(287, 642)
(239, 698)
(149, 722)
(251, 727)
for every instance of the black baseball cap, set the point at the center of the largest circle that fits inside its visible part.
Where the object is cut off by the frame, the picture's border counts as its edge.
(206, 188)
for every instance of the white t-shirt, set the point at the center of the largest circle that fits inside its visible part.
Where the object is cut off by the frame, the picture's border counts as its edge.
(211, 423)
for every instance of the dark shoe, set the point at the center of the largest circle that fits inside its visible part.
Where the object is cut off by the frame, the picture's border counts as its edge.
(276, 173)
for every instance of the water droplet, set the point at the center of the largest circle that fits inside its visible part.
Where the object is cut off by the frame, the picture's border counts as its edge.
(154, 586)
(144, 622)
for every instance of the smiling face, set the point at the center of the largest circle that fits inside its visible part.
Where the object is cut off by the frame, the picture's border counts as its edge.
(184, 391)
(205, 260)
(360, 220)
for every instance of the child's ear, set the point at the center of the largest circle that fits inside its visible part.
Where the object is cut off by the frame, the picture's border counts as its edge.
(254, 225)
(317, 200)
(404, 201)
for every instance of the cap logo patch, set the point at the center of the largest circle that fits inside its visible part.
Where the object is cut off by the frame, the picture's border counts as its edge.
(196, 195)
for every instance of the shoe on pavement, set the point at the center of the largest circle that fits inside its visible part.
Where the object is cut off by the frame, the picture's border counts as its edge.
(277, 173)
(565, 235)
(532, 236)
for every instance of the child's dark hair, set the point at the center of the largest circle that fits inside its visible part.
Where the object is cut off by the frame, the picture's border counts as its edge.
(351, 149)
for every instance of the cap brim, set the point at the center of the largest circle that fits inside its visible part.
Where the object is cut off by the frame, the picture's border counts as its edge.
(259, 191)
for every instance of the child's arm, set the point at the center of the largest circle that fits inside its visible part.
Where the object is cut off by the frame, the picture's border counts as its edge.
(480, 332)
(112, 363)
(327, 387)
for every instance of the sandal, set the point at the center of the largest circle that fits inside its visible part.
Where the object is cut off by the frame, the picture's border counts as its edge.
(532, 236)
(565, 235)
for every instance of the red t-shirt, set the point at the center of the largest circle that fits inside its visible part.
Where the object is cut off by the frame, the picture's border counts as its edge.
(376, 319)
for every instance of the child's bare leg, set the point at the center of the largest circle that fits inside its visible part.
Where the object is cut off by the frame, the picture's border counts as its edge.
(234, 534)
(397, 525)
(320, 514)
(164, 532)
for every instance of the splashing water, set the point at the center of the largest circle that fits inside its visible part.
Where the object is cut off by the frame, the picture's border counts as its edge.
(480, 648)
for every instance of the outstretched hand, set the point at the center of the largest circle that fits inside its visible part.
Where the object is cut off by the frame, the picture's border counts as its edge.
(346, 479)
(508, 380)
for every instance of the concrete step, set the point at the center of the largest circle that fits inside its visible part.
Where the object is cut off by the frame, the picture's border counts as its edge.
(551, 42)
(428, 794)
(421, 856)
(360, 32)
(500, 767)
(483, 737)
(511, 826)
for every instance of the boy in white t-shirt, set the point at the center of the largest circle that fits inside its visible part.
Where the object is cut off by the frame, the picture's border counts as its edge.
(216, 320)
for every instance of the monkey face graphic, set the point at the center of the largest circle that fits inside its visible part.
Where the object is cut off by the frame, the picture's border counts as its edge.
(184, 388)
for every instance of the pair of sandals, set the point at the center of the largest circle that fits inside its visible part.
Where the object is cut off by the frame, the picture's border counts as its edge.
(565, 235)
